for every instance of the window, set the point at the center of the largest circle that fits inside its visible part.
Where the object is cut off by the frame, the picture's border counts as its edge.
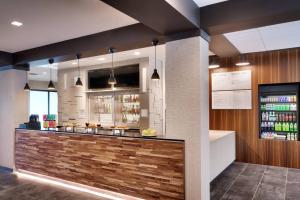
(43, 102)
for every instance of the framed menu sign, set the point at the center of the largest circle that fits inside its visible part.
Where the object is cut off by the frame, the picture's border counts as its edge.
(232, 90)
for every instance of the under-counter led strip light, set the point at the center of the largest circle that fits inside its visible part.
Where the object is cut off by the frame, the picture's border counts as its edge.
(69, 185)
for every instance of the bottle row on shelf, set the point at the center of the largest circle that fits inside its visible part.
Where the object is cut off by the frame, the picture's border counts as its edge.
(279, 107)
(130, 98)
(105, 108)
(273, 135)
(281, 117)
(130, 118)
(284, 99)
(279, 126)
(130, 109)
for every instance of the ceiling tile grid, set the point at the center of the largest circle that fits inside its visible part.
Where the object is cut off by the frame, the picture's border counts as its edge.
(202, 3)
(268, 38)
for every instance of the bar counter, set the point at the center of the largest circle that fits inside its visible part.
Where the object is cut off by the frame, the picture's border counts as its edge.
(148, 168)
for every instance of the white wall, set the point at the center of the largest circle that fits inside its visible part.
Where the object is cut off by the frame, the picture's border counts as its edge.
(13, 111)
(73, 101)
(187, 109)
(40, 85)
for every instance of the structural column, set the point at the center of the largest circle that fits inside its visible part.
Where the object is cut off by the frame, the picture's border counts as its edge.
(187, 109)
(13, 111)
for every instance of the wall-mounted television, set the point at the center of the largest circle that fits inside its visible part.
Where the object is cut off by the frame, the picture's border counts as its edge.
(127, 77)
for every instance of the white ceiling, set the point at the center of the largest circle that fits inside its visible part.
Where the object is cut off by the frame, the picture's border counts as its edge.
(50, 21)
(279, 36)
(41, 72)
(202, 3)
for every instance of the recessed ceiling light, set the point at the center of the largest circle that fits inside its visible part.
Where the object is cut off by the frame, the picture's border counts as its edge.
(101, 59)
(213, 66)
(137, 53)
(16, 23)
(242, 63)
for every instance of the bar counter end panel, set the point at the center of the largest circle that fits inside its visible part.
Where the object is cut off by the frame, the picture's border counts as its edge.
(144, 168)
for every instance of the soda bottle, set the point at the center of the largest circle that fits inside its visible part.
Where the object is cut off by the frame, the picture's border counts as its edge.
(279, 126)
(295, 127)
(291, 127)
(294, 117)
(263, 116)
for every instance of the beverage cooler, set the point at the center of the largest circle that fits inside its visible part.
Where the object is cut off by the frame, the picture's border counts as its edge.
(279, 111)
(116, 110)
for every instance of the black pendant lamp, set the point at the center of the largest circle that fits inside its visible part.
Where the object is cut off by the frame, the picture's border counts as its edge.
(78, 82)
(112, 79)
(51, 85)
(155, 75)
(27, 87)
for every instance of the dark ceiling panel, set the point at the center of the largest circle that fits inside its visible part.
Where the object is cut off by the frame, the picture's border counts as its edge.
(236, 15)
(6, 59)
(164, 16)
(125, 38)
(222, 47)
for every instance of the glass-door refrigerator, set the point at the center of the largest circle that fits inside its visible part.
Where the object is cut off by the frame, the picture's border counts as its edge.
(279, 111)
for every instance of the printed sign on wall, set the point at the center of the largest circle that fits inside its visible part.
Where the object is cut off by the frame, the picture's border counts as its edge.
(232, 90)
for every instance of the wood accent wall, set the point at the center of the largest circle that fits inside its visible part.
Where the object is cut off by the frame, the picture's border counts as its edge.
(281, 66)
(148, 169)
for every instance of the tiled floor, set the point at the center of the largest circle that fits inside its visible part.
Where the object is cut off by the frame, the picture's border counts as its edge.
(242, 181)
(14, 188)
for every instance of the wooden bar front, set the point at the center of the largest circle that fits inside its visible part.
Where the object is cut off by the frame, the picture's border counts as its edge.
(144, 168)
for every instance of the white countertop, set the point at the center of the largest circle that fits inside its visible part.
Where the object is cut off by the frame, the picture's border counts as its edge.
(218, 134)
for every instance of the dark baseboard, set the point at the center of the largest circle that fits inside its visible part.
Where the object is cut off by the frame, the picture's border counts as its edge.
(5, 170)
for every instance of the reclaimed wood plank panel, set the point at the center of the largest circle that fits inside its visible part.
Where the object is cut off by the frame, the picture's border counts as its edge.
(149, 169)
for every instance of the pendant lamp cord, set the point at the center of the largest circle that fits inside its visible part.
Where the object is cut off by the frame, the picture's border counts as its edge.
(112, 63)
(78, 67)
(155, 55)
(50, 72)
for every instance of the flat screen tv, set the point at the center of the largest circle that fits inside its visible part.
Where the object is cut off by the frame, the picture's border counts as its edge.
(127, 77)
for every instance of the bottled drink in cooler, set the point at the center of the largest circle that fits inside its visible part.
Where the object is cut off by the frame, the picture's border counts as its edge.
(291, 127)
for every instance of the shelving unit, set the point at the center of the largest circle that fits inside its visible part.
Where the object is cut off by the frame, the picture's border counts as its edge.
(115, 110)
(278, 112)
